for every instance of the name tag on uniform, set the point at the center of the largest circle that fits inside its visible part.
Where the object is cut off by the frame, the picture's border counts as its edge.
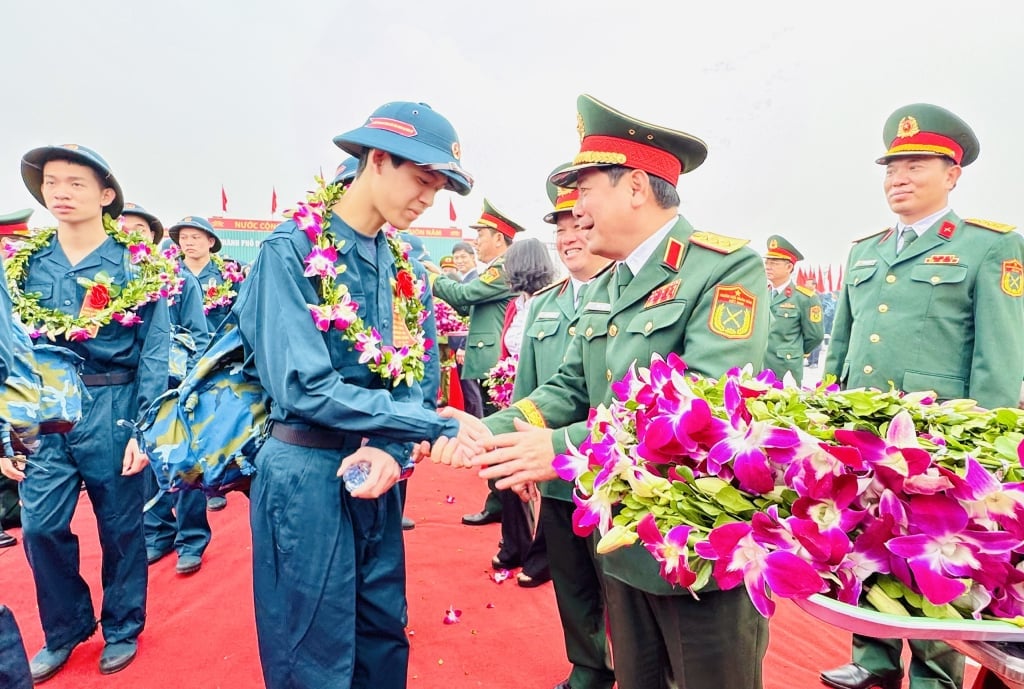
(942, 258)
(548, 315)
(598, 306)
(865, 262)
(787, 305)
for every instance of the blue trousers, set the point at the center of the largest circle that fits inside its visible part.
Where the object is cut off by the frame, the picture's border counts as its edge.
(14, 670)
(91, 453)
(328, 575)
(177, 520)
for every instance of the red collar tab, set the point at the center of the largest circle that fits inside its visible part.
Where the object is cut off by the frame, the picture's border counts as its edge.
(674, 253)
(947, 230)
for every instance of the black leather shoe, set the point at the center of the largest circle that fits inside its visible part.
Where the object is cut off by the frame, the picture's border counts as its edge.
(497, 562)
(216, 503)
(528, 582)
(480, 518)
(408, 524)
(46, 663)
(853, 676)
(7, 540)
(117, 656)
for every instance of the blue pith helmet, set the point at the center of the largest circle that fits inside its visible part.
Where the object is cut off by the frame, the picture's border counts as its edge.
(417, 249)
(346, 171)
(32, 164)
(154, 222)
(198, 223)
(415, 132)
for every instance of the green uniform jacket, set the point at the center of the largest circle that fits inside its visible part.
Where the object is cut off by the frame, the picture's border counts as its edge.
(551, 323)
(700, 295)
(946, 315)
(796, 329)
(484, 300)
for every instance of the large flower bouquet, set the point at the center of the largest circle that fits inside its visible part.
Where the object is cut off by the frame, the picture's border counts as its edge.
(501, 380)
(915, 506)
(449, 322)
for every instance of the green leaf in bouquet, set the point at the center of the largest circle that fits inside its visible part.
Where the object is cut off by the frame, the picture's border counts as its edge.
(939, 612)
(734, 501)
(703, 569)
(890, 585)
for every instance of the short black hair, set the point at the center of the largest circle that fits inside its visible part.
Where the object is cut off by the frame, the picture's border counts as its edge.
(101, 176)
(464, 246)
(665, 194)
(364, 158)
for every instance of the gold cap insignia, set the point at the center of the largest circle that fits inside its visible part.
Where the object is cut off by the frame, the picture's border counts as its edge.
(773, 244)
(908, 127)
(456, 150)
(188, 219)
(580, 127)
(70, 147)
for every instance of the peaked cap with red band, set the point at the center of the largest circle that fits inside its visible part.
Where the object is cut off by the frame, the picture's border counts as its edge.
(922, 129)
(15, 222)
(494, 219)
(609, 137)
(781, 248)
(563, 200)
(413, 132)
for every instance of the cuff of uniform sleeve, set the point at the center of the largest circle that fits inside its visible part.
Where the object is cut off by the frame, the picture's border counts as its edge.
(402, 452)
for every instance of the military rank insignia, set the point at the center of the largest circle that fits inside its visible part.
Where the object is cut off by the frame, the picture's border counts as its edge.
(663, 294)
(490, 275)
(1012, 279)
(732, 312)
(815, 314)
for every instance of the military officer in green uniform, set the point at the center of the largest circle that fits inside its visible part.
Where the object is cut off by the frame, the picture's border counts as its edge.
(672, 289)
(796, 322)
(484, 300)
(933, 303)
(574, 569)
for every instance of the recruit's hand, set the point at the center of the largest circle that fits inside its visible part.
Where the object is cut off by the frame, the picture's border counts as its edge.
(12, 469)
(420, 451)
(521, 457)
(135, 460)
(459, 450)
(460, 357)
(384, 471)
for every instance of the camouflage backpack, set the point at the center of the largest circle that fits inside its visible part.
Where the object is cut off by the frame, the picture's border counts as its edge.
(204, 434)
(43, 393)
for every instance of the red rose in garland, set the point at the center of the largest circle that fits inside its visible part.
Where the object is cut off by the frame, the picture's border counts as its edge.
(404, 285)
(97, 297)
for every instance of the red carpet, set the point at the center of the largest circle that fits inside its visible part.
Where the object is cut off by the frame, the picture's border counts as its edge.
(200, 632)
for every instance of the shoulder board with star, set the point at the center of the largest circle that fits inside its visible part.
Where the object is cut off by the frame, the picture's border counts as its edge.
(1002, 228)
(557, 283)
(718, 242)
(873, 234)
(806, 291)
(490, 275)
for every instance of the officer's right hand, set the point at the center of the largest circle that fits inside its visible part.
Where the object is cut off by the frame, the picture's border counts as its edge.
(11, 471)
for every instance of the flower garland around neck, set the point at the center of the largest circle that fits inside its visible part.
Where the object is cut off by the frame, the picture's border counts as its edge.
(404, 360)
(151, 275)
(217, 295)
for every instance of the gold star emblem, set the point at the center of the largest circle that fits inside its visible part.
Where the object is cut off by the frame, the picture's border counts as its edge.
(580, 127)
(908, 127)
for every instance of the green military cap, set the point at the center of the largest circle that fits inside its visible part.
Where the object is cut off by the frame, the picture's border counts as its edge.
(494, 219)
(154, 223)
(609, 137)
(923, 129)
(563, 200)
(781, 248)
(15, 222)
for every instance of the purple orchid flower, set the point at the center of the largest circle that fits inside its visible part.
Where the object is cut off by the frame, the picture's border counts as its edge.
(944, 551)
(893, 458)
(988, 501)
(669, 549)
(320, 262)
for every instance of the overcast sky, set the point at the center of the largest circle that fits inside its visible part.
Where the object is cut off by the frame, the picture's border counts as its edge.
(183, 97)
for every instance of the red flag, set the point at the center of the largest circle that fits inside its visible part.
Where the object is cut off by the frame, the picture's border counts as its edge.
(273, 201)
(820, 285)
(830, 287)
(223, 199)
(451, 212)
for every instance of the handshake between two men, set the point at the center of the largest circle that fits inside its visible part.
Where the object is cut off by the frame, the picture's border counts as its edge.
(518, 460)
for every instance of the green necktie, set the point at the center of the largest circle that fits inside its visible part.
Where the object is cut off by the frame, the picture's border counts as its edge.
(622, 277)
(580, 293)
(907, 237)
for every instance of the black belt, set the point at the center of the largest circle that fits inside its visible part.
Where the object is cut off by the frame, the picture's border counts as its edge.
(316, 438)
(108, 378)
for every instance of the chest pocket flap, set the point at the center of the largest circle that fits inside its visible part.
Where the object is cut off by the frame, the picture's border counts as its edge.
(938, 273)
(859, 274)
(650, 321)
(540, 329)
(43, 289)
(591, 327)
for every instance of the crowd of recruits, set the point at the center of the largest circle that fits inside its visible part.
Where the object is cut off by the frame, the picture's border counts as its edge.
(328, 596)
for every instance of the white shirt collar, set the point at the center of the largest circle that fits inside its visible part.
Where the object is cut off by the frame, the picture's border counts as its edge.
(922, 225)
(642, 253)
